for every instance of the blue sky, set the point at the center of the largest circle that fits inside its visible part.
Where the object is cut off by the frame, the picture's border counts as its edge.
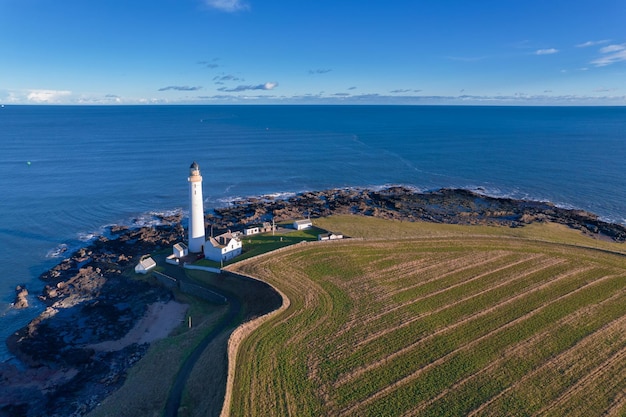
(553, 52)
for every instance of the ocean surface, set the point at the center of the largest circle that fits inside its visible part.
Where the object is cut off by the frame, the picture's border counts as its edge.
(67, 172)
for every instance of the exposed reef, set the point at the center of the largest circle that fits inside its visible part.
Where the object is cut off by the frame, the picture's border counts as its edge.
(88, 299)
(453, 206)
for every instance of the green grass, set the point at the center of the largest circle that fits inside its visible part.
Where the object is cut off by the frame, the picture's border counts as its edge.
(266, 242)
(148, 382)
(436, 320)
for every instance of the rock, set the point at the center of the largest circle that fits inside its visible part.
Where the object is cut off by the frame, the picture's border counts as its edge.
(21, 300)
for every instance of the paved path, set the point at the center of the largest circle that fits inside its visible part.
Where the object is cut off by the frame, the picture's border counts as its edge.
(176, 392)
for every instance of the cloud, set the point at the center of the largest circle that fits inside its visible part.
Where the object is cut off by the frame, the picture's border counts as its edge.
(548, 51)
(404, 90)
(210, 64)
(612, 54)
(604, 90)
(229, 77)
(229, 6)
(352, 88)
(612, 48)
(239, 88)
(592, 43)
(180, 88)
(47, 96)
(320, 71)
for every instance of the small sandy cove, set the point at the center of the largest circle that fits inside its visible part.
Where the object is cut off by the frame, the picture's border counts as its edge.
(158, 322)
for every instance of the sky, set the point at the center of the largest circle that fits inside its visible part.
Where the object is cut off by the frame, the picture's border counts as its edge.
(492, 52)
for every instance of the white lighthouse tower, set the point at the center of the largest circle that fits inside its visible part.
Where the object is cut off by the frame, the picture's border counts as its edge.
(196, 210)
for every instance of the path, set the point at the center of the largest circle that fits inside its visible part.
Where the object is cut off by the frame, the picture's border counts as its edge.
(176, 392)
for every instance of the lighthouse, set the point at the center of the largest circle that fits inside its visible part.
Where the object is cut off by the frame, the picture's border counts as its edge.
(196, 210)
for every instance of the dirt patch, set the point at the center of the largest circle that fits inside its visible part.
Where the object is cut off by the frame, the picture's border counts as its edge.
(158, 322)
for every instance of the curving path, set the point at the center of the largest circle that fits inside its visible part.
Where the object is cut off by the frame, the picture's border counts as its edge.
(176, 392)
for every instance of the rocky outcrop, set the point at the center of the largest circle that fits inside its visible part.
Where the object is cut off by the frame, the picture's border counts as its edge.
(89, 299)
(455, 206)
(21, 300)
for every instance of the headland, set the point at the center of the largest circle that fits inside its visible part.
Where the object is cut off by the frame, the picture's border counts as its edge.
(79, 349)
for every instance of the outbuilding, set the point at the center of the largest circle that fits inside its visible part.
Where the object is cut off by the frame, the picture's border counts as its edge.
(180, 250)
(329, 236)
(145, 264)
(302, 224)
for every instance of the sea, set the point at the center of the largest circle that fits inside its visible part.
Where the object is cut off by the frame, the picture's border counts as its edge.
(68, 172)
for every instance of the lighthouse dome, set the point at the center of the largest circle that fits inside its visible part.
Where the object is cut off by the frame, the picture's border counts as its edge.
(194, 169)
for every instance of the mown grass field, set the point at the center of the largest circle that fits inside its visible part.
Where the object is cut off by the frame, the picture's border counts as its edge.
(439, 320)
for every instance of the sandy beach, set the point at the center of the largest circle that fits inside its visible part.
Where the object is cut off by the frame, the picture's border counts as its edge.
(158, 322)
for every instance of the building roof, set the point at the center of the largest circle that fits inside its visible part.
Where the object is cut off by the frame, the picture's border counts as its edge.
(147, 263)
(222, 240)
(180, 246)
(303, 221)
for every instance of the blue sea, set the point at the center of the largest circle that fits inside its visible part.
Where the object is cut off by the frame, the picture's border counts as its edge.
(66, 172)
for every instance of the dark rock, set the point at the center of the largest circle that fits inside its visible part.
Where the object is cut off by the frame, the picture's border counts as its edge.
(88, 301)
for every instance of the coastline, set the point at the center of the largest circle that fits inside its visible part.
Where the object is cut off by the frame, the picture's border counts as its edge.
(92, 303)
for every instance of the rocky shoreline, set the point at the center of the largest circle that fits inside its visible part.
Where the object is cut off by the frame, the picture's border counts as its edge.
(90, 299)
(452, 206)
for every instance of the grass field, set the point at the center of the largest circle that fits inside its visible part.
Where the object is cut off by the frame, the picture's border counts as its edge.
(439, 320)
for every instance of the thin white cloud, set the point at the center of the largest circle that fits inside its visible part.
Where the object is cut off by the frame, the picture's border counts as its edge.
(239, 88)
(592, 43)
(228, 5)
(611, 55)
(612, 48)
(548, 51)
(180, 88)
(47, 96)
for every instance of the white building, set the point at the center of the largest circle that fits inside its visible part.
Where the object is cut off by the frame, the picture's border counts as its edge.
(329, 236)
(145, 264)
(223, 247)
(259, 228)
(196, 210)
(252, 230)
(302, 224)
(180, 250)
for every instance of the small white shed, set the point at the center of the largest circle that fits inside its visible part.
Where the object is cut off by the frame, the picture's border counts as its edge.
(180, 250)
(145, 265)
(302, 224)
(329, 236)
